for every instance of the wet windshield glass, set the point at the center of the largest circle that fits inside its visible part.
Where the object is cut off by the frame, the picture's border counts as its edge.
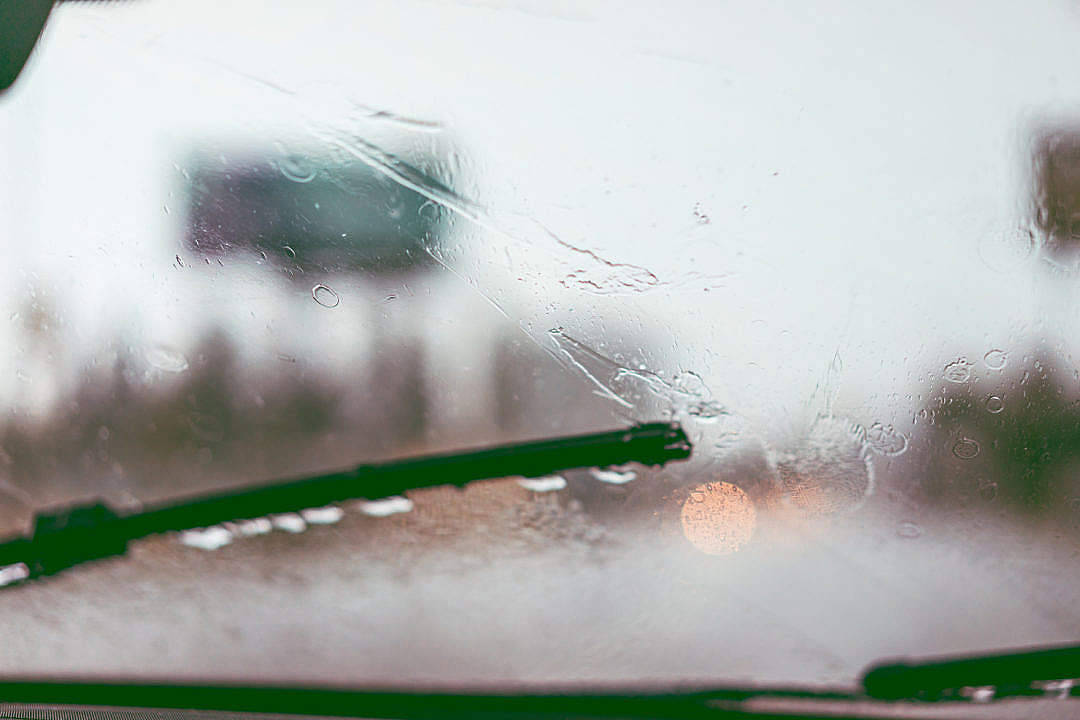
(838, 245)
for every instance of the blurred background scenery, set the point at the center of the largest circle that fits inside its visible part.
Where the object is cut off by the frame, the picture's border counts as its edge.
(245, 241)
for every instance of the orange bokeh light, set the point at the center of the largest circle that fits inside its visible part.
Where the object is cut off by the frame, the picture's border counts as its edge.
(718, 518)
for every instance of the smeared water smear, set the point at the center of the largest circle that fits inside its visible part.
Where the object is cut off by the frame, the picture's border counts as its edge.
(827, 471)
(584, 269)
(549, 483)
(686, 396)
(403, 121)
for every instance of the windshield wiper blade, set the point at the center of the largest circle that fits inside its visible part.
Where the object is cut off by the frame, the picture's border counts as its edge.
(76, 534)
(419, 703)
(1050, 671)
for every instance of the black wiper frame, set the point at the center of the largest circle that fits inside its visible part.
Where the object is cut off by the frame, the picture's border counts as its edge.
(1033, 673)
(72, 535)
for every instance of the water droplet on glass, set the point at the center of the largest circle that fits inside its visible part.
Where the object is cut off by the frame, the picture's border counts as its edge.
(615, 477)
(1004, 251)
(988, 490)
(206, 427)
(996, 359)
(323, 516)
(210, 538)
(885, 440)
(179, 261)
(965, 448)
(325, 296)
(289, 522)
(386, 506)
(958, 371)
(103, 433)
(429, 211)
(167, 359)
(908, 530)
(549, 483)
(289, 252)
(994, 404)
(297, 169)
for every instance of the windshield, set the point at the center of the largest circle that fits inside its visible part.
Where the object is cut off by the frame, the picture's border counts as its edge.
(837, 244)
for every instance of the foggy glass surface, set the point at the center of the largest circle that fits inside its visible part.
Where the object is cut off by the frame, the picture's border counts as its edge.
(249, 240)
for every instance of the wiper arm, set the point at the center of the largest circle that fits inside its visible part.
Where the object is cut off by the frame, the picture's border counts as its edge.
(1039, 672)
(77, 534)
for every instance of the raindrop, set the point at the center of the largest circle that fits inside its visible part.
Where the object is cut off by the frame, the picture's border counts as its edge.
(988, 490)
(297, 169)
(543, 484)
(996, 359)
(994, 404)
(429, 211)
(323, 516)
(179, 261)
(965, 448)
(206, 427)
(387, 506)
(289, 252)
(908, 530)
(325, 296)
(289, 522)
(885, 440)
(167, 359)
(958, 371)
(210, 538)
(614, 477)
